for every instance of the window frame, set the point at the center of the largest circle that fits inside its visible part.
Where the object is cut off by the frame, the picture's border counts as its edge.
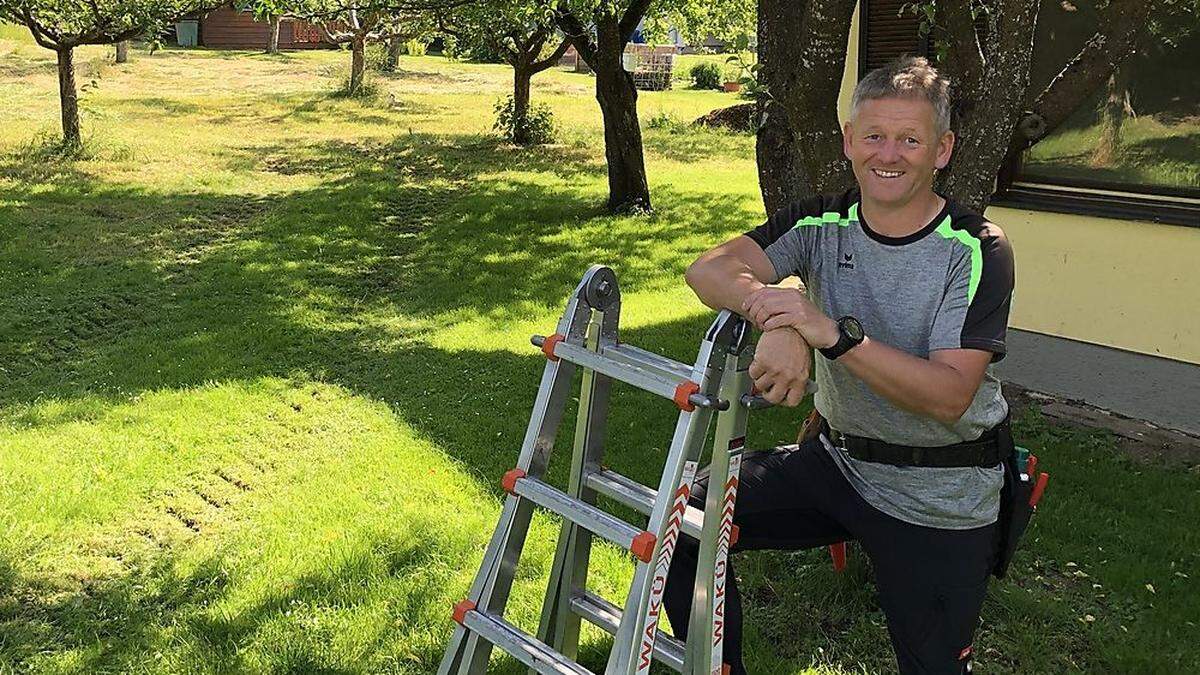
(1154, 203)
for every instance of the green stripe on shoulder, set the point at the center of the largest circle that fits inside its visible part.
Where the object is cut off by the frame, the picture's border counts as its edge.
(829, 218)
(972, 245)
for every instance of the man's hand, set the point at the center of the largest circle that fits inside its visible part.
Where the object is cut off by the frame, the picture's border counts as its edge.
(781, 366)
(773, 308)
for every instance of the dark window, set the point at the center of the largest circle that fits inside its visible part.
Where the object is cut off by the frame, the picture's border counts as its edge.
(886, 32)
(1132, 149)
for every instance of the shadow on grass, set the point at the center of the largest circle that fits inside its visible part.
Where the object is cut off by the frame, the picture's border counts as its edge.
(683, 143)
(219, 286)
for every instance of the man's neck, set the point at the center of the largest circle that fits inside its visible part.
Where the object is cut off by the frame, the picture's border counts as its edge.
(893, 221)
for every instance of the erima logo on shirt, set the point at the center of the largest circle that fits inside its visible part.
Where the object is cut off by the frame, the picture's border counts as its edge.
(847, 261)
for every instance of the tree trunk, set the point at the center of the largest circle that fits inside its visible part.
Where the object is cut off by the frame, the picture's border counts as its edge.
(395, 45)
(273, 39)
(988, 123)
(123, 51)
(358, 63)
(781, 177)
(799, 145)
(522, 74)
(627, 187)
(1113, 110)
(68, 97)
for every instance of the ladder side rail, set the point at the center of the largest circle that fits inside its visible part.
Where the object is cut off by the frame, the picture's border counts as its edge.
(559, 627)
(643, 605)
(466, 654)
(706, 626)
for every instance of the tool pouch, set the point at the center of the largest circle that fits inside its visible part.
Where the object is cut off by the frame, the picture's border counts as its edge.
(811, 427)
(1015, 510)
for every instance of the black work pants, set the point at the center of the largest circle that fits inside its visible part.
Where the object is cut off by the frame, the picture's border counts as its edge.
(931, 581)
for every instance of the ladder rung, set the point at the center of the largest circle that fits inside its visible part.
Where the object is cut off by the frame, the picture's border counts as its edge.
(639, 542)
(640, 358)
(525, 648)
(653, 381)
(607, 616)
(639, 497)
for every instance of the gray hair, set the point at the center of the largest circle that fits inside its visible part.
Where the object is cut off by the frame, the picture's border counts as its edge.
(908, 77)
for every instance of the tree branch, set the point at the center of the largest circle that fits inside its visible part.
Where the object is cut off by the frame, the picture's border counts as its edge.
(632, 17)
(443, 27)
(539, 66)
(1124, 24)
(577, 34)
(41, 35)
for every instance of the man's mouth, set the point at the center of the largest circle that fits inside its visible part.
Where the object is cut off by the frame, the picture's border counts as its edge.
(887, 174)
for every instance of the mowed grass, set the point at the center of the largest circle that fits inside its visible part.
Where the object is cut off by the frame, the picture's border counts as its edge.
(264, 356)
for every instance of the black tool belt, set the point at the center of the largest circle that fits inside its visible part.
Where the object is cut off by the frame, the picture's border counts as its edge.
(982, 452)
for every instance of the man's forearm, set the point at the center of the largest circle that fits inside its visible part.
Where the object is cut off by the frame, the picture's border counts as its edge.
(722, 282)
(920, 386)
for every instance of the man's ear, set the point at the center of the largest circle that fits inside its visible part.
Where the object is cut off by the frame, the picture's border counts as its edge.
(945, 149)
(847, 134)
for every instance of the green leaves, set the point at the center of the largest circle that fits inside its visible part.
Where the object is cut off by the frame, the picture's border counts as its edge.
(68, 23)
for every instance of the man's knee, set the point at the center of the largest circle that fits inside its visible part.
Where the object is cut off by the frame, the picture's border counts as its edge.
(932, 629)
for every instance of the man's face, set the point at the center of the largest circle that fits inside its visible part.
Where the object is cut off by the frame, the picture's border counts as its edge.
(893, 145)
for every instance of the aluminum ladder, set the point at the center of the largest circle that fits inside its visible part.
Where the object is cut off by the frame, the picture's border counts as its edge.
(716, 385)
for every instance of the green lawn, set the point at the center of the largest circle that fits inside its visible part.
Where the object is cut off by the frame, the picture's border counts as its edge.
(264, 356)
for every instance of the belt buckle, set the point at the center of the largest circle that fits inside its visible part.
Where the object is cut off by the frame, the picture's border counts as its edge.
(838, 440)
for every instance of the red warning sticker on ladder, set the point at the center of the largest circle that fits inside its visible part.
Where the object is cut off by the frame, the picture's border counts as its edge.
(722, 563)
(665, 551)
(737, 443)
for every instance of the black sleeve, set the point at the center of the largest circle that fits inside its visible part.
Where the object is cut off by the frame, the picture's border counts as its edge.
(785, 219)
(986, 323)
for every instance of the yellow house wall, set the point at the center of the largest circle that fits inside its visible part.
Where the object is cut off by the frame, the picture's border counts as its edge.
(1119, 283)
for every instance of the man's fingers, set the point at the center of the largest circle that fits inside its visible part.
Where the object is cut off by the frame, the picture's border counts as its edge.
(752, 301)
(794, 396)
(776, 393)
(777, 321)
(764, 382)
(756, 370)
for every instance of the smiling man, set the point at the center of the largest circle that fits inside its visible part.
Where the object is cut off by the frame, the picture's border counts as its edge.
(905, 299)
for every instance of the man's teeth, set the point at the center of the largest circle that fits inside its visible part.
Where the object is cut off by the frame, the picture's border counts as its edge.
(887, 174)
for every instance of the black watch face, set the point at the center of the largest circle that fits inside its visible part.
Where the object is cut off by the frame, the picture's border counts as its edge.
(853, 328)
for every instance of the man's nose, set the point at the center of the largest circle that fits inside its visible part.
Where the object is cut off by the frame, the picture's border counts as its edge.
(889, 152)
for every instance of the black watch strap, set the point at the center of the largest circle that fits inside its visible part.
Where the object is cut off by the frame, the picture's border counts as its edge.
(850, 335)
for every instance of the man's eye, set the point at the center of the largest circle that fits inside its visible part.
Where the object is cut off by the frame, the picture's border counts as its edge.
(912, 141)
(872, 137)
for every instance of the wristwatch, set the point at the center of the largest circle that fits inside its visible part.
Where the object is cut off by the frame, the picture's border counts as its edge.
(850, 335)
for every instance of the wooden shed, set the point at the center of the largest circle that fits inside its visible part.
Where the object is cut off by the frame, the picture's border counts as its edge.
(229, 28)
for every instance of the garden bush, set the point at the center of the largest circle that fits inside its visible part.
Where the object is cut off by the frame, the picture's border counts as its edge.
(706, 75)
(539, 127)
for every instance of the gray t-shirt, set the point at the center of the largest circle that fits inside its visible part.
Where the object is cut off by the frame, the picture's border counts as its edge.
(946, 286)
